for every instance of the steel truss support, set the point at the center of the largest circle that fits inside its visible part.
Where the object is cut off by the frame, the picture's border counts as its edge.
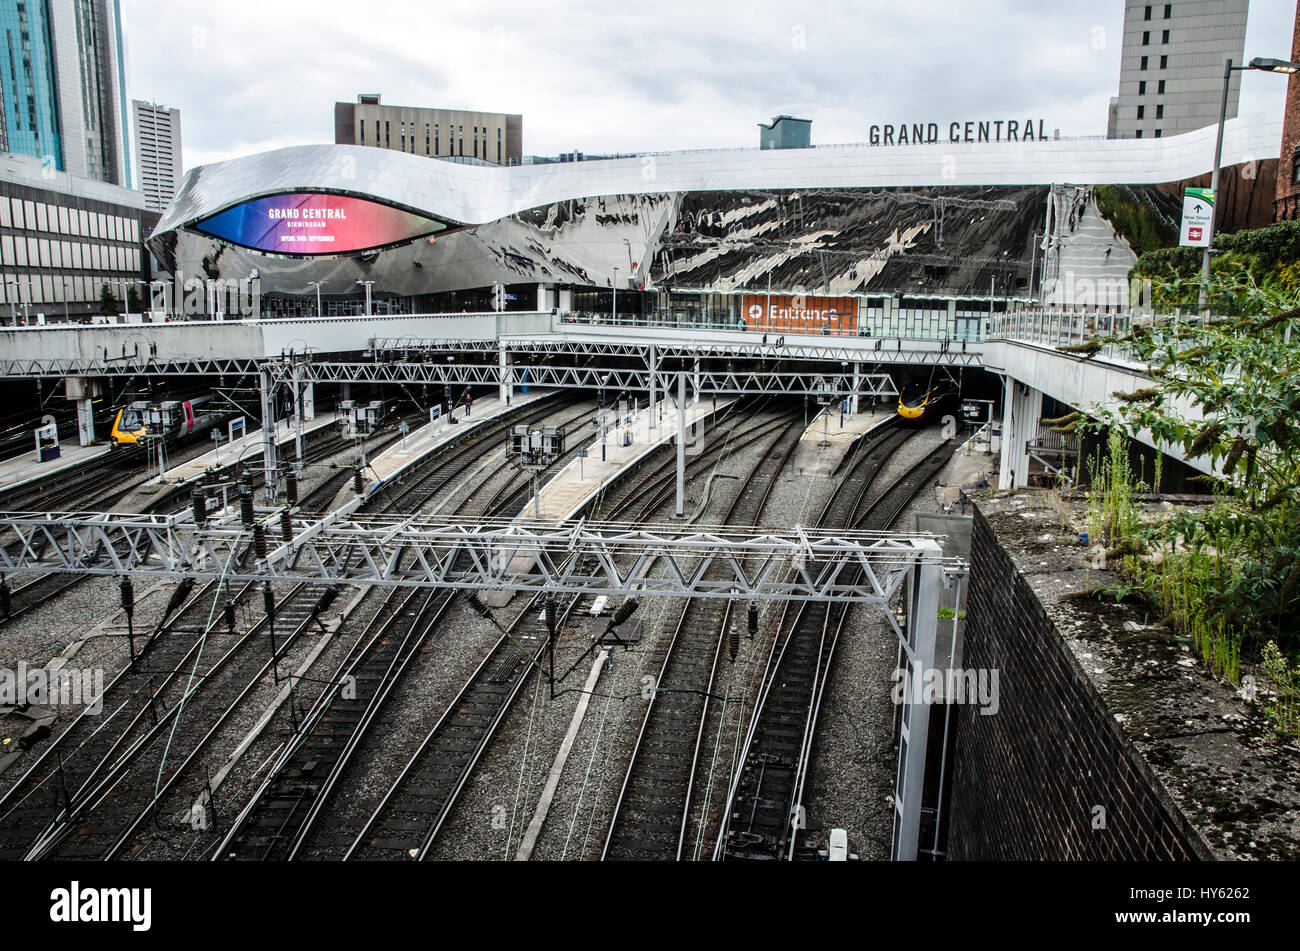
(579, 557)
(267, 389)
(612, 558)
(918, 643)
(724, 382)
(769, 346)
(131, 366)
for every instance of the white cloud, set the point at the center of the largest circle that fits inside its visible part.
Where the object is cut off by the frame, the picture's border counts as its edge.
(607, 77)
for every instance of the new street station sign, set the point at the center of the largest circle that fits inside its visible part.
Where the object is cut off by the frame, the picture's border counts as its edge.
(1198, 213)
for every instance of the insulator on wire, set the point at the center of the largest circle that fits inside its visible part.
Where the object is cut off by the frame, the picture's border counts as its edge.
(228, 612)
(127, 590)
(179, 595)
(327, 598)
(199, 505)
(625, 611)
(268, 600)
(246, 503)
(259, 541)
(286, 525)
(479, 607)
(733, 641)
(291, 487)
(753, 619)
(357, 486)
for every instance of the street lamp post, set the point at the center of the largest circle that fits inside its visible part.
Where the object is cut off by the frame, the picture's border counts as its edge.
(368, 285)
(319, 312)
(614, 318)
(13, 308)
(1264, 64)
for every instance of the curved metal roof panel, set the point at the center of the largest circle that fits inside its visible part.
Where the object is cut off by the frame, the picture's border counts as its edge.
(462, 194)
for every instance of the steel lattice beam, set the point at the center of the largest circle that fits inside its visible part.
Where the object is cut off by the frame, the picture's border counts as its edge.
(494, 554)
(722, 383)
(129, 366)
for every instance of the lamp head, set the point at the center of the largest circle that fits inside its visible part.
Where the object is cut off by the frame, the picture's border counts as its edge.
(1269, 65)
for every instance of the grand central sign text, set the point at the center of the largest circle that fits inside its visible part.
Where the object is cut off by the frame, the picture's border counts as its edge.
(999, 130)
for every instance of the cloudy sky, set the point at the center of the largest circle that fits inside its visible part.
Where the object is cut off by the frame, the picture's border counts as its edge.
(250, 75)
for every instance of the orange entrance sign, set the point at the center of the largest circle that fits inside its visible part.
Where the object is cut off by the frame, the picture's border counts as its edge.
(799, 314)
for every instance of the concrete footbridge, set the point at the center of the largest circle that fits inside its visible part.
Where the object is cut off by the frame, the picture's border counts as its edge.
(551, 349)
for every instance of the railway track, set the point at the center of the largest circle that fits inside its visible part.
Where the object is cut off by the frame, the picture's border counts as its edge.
(42, 589)
(650, 815)
(285, 810)
(41, 796)
(417, 805)
(765, 810)
(99, 819)
(103, 815)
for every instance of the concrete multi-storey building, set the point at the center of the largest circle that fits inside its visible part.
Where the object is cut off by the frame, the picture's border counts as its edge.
(492, 137)
(158, 152)
(62, 239)
(1171, 66)
(64, 85)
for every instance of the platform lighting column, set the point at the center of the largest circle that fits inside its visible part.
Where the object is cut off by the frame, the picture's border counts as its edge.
(614, 317)
(654, 366)
(1266, 65)
(604, 381)
(319, 311)
(681, 442)
(367, 285)
(297, 410)
(268, 432)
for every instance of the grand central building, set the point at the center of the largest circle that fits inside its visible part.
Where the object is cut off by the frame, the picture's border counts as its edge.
(920, 239)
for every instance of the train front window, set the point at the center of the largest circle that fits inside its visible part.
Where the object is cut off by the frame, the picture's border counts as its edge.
(130, 421)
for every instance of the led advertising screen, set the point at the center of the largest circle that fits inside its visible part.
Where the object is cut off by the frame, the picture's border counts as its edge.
(314, 223)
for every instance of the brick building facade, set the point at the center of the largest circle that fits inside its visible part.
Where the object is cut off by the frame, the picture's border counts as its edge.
(1286, 207)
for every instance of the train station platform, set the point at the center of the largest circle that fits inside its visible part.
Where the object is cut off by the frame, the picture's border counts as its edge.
(974, 464)
(19, 470)
(418, 443)
(571, 489)
(578, 483)
(831, 434)
(244, 449)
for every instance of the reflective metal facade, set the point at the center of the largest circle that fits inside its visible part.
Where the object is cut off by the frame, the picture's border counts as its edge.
(943, 219)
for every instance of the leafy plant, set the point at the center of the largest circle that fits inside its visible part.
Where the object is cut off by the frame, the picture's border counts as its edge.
(1227, 394)
(1285, 681)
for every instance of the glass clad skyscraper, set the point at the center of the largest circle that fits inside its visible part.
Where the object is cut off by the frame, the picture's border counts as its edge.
(63, 86)
(31, 113)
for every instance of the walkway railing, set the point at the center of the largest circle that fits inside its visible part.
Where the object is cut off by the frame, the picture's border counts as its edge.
(1064, 329)
(969, 329)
